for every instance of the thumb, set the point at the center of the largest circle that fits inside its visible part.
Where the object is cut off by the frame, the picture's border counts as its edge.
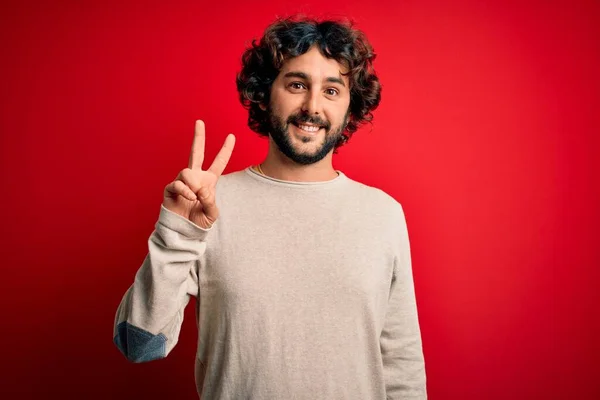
(209, 206)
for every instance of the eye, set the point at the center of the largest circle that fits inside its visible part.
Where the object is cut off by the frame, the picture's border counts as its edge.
(331, 91)
(297, 85)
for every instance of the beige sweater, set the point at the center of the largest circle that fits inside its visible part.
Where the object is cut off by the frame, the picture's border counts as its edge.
(305, 291)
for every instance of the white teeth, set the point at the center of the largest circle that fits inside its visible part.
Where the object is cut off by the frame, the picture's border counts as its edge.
(309, 128)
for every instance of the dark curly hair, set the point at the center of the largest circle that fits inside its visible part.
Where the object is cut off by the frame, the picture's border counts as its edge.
(294, 36)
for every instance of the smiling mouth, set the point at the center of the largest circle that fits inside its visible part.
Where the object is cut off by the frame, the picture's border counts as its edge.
(308, 128)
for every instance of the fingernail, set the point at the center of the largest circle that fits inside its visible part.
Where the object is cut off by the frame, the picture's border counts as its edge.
(204, 193)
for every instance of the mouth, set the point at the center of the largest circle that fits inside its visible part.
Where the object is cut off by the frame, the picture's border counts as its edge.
(308, 129)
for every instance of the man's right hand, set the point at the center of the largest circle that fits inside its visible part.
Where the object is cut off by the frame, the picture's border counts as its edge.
(192, 193)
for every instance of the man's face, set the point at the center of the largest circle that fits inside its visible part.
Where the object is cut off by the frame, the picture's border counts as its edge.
(309, 107)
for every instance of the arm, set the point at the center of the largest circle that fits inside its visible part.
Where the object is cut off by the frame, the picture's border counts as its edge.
(401, 347)
(149, 318)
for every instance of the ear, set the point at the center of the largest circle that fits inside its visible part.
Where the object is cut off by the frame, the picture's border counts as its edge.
(262, 106)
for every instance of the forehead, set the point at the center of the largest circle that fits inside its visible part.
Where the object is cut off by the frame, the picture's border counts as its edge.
(315, 64)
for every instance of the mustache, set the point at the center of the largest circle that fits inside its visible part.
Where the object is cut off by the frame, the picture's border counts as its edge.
(307, 119)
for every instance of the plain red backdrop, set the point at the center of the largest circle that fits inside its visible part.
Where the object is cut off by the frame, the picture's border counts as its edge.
(487, 134)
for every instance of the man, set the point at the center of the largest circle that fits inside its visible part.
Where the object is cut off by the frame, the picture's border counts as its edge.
(302, 275)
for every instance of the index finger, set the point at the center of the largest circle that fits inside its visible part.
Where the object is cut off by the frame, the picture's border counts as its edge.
(197, 153)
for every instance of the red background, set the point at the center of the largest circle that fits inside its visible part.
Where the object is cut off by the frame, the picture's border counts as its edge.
(487, 134)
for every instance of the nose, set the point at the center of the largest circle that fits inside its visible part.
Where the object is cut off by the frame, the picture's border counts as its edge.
(312, 103)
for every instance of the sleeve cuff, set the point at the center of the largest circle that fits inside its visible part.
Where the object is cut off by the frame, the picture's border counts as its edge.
(181, 225)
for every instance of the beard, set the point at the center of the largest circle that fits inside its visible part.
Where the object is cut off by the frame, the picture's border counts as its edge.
(279, 131)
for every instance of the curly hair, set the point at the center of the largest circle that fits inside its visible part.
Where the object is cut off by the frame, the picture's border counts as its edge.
(293, 36)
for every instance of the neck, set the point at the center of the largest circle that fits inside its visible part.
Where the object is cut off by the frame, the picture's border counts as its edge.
(278, 166)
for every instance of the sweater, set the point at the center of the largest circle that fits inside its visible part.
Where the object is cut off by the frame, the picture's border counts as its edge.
(304, 291)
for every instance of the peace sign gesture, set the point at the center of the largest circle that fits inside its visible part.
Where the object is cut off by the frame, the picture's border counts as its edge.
(192, 193)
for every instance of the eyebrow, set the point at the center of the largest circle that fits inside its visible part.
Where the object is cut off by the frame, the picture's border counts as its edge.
(305, 76)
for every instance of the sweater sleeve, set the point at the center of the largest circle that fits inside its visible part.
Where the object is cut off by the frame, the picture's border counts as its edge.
(149, 317)
(400, 341)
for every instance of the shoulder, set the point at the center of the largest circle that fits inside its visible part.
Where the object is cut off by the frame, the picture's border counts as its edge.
(377, 199)
(232, 180)
(383, 210)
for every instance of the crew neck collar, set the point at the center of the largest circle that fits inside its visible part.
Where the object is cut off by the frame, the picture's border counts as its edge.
(267, 179)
